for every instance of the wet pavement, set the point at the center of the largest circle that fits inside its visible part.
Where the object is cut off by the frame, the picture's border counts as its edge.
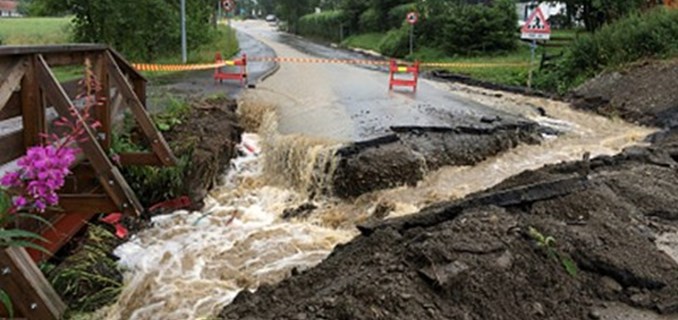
(350, 103)
(201, 84)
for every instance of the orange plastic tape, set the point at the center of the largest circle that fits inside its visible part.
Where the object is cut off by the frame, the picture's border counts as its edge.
(206, 66)
(180, 67)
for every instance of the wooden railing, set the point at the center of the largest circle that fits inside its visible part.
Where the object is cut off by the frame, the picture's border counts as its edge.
(31, 98)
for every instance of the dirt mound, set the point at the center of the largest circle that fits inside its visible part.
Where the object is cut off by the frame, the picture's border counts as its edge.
(644, 93)
(404, 157)
(556, 243)
(208, 136)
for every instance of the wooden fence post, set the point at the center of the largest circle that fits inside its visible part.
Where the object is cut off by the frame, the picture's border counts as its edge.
(32, 295)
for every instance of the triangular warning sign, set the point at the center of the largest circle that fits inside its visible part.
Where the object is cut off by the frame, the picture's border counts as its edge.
(536, 27)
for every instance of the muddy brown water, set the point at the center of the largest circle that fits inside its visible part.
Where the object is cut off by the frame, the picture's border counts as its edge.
(192, 264)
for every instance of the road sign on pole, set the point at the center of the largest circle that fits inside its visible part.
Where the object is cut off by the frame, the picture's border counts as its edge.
(228, 5)
(536, 27)
(412, 18)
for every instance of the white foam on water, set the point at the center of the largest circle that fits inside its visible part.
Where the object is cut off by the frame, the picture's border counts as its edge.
(192, 264)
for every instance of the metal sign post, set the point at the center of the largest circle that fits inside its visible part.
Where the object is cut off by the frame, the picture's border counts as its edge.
(533, 51)
(184, 53)
(411, 39)
(228, 6)
(412, 18)
(536, 28)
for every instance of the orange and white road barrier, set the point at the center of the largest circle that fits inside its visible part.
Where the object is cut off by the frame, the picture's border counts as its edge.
(221, 75)
(395, 69)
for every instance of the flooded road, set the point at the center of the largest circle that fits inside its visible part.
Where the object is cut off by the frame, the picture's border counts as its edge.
(192, 264)
(349, 103)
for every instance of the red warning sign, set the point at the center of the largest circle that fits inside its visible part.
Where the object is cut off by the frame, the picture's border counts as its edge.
(412, 18)
(536, 27)
(228, 5)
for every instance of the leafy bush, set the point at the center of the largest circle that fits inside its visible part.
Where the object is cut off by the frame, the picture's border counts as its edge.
(396, 42)
(141, 29)
(369, 21)
(154, 184)
(650, 35)
(325, 25)
(469, 29)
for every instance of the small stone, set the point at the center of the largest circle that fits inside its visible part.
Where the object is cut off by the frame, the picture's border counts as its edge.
(505, 261)
(406, 296)
(538, 309)
(640, 299)
(595, 314)
(610, 284)
(301, 316)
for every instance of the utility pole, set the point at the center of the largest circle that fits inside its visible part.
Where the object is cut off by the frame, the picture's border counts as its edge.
(184, 53)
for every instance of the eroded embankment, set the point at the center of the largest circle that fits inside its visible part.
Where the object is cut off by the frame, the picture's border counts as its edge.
(324, 167)
(208, 137)
(642, 93)
(476, 258)
(407, 155)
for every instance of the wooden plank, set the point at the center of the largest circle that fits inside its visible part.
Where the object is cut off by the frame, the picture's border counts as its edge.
(48, 50)
(12, 81)
(32, 108)
(139, 159)
(157, 141)
(103, 111)
(82, 180)
(110, 177)
(66, 58)
(33, 296)
(12, 107)
(62, 230)
(72, 88)
(140, 90)
(87, 203)
(125, 66)
(13, 146)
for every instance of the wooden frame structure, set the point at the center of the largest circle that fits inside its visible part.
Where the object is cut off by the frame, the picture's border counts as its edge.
(31, 95)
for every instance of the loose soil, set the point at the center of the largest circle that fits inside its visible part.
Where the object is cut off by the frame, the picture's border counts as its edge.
(643, 93)
(404, 157)
(475, 259)
(208, 135)
(482, 257)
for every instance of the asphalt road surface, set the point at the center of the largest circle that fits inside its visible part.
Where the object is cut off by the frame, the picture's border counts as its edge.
(347, 102)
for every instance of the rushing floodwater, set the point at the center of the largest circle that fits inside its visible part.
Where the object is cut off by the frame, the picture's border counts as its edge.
(192, 264)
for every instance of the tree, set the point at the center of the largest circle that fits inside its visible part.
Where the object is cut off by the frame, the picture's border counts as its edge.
(596, 13)
(292, 10)
(141, 29)
(43, 7)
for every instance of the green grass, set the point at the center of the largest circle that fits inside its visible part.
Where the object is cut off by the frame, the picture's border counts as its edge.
(32, 31)
(224, 41)
(510, 68)
(37, 31)
(369, 41)
(505, 71)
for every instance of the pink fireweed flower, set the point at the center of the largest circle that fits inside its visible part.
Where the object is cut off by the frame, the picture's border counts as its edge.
(11, 180)
(42, 173)
(20, 202)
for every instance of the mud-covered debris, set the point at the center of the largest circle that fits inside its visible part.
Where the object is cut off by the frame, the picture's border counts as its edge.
(301, 212)
(470, 259)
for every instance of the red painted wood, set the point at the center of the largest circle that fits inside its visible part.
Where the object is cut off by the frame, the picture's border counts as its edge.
(61, 231)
